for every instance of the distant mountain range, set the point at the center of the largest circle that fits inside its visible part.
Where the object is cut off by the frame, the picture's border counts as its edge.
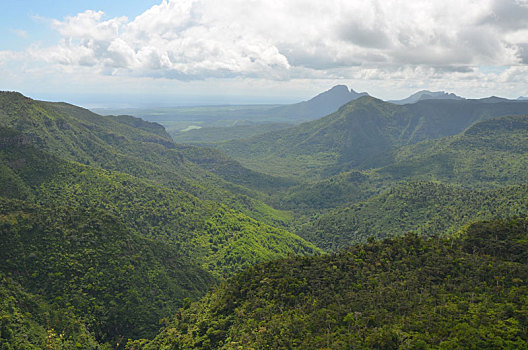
(427, 95)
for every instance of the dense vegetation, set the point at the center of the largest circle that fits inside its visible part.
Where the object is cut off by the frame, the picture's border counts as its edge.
(128, 145)
(28, 322)
(489, 154)
(89, 263)
(404, 293)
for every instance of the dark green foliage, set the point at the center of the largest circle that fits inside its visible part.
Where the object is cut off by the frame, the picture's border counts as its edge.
(492, 153)
(402, 293)
(115, 227)
(426, 208)
(347, 187)
(28, 322)
(231, 170)
(87, 261)
(202, 230)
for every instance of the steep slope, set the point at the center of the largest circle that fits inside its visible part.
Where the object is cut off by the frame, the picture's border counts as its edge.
(204, 231)
(360, 133)
(123, 251)
(425, 208)
(231, 170)
(409, 292)
(491, 153)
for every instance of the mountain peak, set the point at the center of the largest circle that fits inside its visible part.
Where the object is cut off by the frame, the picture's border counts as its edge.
(323, 104)
(341, 92)
(339, 88)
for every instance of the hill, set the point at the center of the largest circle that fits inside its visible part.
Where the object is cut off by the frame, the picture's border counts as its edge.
(135, 147)
(203, 230)
(409, 292)
(29, 322)
(116, 281)
(489, 154)
(360, 134)
(426, 208)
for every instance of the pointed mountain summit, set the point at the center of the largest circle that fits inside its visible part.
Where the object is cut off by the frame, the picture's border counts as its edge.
(319, 106)
(427, 95)
(336, 96)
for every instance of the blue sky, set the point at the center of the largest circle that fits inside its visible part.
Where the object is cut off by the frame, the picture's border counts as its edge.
(31, 16)
(96, 53)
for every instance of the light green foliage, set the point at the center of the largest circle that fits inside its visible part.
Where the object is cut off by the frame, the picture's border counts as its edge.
(489, 155)
(201, 229)
(108, 228)
(132, 146)
(120, 250)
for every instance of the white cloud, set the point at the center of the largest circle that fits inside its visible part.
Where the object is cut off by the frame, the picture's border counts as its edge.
(279, 39)
(369, 40)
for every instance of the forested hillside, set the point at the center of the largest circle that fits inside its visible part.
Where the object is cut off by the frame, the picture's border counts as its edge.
(117, 239)
(410, 292)
(90, 264)
(425, 208)
(489, 154)
(132, 146)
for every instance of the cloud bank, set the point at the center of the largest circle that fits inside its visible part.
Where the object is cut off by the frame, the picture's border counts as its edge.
(279, 39)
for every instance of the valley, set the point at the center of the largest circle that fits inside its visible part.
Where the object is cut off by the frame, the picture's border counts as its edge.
(341, 221)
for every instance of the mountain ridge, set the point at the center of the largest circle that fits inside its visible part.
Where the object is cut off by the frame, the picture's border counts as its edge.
(359, 133)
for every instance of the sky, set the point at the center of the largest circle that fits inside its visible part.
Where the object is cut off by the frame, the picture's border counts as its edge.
(176, 52)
